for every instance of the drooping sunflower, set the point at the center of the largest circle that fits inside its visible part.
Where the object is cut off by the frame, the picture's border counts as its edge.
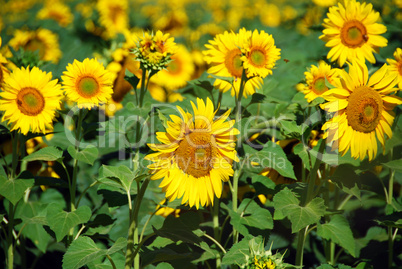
(43, 40)
(351, 32)
(57, 11)
(395, 65)
(113, 16)
(29, 100)
(363, 110)
(88, 83)
(224, 56)
(195, 156)
(315, 79)
(260, 54)
(177, 72)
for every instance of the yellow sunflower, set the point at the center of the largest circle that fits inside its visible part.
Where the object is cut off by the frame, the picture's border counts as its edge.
(351, 32)
(88, 83)
(363, 110)
(316, 79)
(42, 40)
(325, 3)
(113, 16)
(195, 156)
(395, 65)
(3, 70)
(29, 100)
(260, 54)
(224, 56)
(177, 72)
(57, 11)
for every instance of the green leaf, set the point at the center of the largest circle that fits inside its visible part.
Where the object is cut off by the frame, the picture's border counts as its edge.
(290, 128)
(338, 231)
(257, 98)
(163, 119)
(239, 253)
(392, 220)
(394, 165)
(123, 173)
(271, 156)
(301, 150)
(164, 265)
(84, 250)
(133, 80)
(253, 220)
(14, 189)
(347, 179)
(45, 154)
(61, 222)
(300, 216)
(87, 155)
(180, 229)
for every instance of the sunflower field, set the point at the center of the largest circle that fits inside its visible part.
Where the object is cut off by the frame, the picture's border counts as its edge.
(259, 134)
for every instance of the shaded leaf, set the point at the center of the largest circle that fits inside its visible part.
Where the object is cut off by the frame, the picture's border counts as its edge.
(239, 252)
(394, 165)
(14, 189)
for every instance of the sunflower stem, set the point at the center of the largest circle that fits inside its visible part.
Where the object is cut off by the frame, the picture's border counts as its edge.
(389, 202)
(131, 255)
(218, 104)
(234, 199)
(215, 220)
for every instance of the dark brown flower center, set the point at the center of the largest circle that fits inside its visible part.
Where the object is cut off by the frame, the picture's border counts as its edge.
(354, 34)
(30, 101)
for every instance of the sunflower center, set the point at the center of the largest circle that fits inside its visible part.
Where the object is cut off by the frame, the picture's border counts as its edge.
(87, 87)
(1, 73)
(115, 13)
(36, 45)
(319, 86)
(364, 109)
(233, 63)
(353, 34)
(257, 58)
(30, 101)
(195, 153)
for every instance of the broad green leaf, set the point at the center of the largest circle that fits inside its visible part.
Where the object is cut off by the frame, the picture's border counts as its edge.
(239, 253)
(123, 173)
(14, 189)
(338, 231)
(394, 165)
(33, 215)
(84, 250)
(257, 98)
(290, 128)
(87, 155)
(347, 179)
(45, 154)
(271, 156)
(133, 80)
(300, 150)
(300, 216)
(180, 229)
(61, 221)
(262, 184)
(392, 220)
(251, 220)
(164, 265)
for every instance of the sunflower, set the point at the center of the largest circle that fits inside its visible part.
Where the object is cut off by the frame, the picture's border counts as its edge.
(325, 3)
(88, 83)
(113, 16)
(363, 110)
(395, 66)
(351, 32)
(224, 55)
(57, 11)
(177, 72)
(29, 100)
(260, 54)
(3, 70)
(42, 40)
(195, 156)
(316, 79)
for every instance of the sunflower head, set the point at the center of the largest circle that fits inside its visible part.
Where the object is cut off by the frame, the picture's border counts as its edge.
(395, 65)
(29, 100)
(88, 83)
(113, 16)
(362, 108)
(352, 32)
(56, 11)
(154, 51)
(195, 156)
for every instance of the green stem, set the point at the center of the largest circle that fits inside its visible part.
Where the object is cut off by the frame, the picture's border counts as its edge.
(234, 200)
(75, 164)
(309, 196)
(216, 243)
(132, 241)
(218, 104)
(111, 261)
(215, 221)
(389, 202)
(10, 245)
(15, 155)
